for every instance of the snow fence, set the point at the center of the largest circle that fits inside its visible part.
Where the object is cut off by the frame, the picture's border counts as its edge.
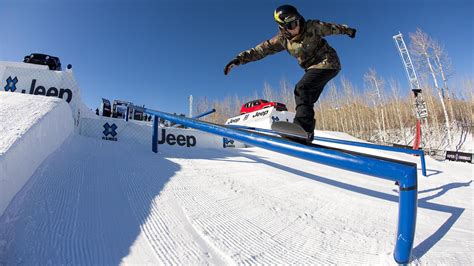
(140, 133)
(32, 128)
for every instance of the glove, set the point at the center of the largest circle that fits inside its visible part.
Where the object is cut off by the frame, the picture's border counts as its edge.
(352, 33)
(230, 65)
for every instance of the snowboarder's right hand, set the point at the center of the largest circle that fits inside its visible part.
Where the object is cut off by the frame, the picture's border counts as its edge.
(230, 65)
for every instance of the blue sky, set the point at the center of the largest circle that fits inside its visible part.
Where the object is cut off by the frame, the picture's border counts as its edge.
(158, 52)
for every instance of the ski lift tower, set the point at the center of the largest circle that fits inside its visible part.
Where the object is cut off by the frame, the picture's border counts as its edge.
(420, 106)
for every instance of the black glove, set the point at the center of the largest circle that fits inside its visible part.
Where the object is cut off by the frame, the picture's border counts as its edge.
(352, 33)
(230, 65)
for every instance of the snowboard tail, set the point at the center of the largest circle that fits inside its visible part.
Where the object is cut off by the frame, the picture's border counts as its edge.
(291, 131)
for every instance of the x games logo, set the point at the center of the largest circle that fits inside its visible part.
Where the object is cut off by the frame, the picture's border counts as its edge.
(110, 130)
(228, 143)
(11, 84)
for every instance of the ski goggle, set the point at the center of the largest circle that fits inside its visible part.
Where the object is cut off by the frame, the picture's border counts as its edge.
(289, 25)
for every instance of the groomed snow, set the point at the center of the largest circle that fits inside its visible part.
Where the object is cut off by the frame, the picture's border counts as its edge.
(18, 113)
(31, 128)
(101, 202)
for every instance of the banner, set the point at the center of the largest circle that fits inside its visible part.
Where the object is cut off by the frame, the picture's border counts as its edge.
(262, 118)
(18, 77)
(459, 156)
(140, 132)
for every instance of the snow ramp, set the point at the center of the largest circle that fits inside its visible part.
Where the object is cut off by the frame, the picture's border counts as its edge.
(30, 131)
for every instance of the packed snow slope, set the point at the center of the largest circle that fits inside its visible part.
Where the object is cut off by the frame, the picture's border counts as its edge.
(30, 130)
(104, 202)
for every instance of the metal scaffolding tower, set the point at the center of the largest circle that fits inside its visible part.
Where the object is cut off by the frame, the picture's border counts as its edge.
(410, 70)
(420, 105)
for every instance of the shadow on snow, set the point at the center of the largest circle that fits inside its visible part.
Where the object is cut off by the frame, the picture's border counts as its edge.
(423, 247)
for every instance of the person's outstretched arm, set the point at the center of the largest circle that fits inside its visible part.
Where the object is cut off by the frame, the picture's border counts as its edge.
(268, 47)
(326, 28)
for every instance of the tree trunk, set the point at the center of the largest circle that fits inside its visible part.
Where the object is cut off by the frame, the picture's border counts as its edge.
(445, 112)
(445, 83)
(322, 115)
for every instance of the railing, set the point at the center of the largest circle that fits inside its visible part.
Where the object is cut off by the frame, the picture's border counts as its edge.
(356, 144)
(402, 172)
(380, 147)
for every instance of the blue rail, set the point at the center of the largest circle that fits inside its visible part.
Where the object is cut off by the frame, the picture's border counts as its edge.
(379, 147)
(200, 115)
(353, 143)
(204, 114)
(402, 172)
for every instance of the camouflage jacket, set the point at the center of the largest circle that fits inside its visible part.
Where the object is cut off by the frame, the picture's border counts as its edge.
(309, 47)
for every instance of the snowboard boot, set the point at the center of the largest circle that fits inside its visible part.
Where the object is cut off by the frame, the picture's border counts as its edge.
(310, 137)
(308, 140)
(310, 133)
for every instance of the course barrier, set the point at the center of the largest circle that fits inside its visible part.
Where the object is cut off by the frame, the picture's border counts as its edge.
(404, 173)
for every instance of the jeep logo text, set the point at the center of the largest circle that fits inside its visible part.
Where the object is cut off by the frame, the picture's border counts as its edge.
(65, 94)
(263, 113)
(181, 140)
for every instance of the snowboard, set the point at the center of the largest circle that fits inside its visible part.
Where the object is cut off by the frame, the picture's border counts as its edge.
(290, 131)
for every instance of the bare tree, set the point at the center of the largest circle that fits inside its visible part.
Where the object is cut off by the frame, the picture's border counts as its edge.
(422, 50)
(267, 92)
(202, 105)
(396, 96)
(444, 64)
(349, 97)
(321, 112)
(338, 110)
(466, 107)
(287, 95)
(237, 103)
(376, 85)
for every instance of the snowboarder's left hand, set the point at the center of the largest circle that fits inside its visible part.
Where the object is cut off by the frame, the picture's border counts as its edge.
(352, 33)
(230, 65)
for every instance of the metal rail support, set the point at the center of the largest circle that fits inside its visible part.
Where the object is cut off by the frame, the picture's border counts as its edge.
(154, 137)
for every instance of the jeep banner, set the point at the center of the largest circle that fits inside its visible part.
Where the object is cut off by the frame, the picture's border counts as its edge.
(32, 79)
(139, 132)
(262, 118)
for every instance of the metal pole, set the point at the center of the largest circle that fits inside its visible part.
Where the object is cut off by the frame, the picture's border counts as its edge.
(154, 137)
(407, 207)
(423, 163)
(204, 114)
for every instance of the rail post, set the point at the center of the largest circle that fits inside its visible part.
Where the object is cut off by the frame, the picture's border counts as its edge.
(154, 137)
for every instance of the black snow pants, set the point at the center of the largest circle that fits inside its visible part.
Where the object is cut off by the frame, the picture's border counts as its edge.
(307, 92)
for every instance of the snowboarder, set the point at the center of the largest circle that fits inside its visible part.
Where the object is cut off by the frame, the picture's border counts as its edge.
(304, 40)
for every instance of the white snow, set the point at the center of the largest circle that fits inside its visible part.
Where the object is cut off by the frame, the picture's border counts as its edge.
(104, 202)
(31, 128)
